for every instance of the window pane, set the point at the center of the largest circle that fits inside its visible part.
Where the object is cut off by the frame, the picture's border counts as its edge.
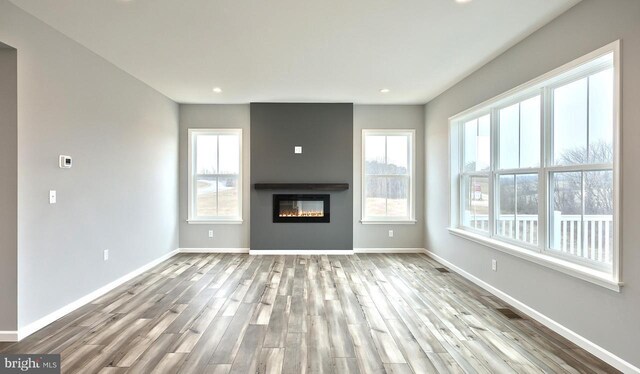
(206, 191)
(566, 212)
(374, 154)
(527, 208)
(484, 145)
(476, 203)
(375, 203)
(206, 156)
(398, 197)
(476, 144)
(398, 155)
(518, 199)
(598, 216)
(509, 137)
(570, 123)
(228, 202)
(530, 133)
(387, 156)
(598, 186)
(601, 117)
(229, 154)
(470, 145)
(520, 135)
(507, 206)
(589, 235)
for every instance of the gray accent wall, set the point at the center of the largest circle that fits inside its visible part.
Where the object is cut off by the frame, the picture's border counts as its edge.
(325, 131)
(121, 193)
(607, 318)
(195, 116)
(9, 189)
(406, 117)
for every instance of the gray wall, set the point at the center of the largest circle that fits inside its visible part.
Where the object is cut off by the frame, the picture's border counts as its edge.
(388, 117)
(214, 116)
(607, 318)
(121, 193)
(325, 131)
(9, 189)
(364, 116)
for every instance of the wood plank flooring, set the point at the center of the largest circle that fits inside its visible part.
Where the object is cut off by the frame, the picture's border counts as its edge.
(235, 313)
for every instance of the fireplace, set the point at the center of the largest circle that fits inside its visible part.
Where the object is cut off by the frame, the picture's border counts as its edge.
(301, 208)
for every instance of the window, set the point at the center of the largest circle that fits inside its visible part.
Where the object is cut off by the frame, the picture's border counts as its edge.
(388, 158)
(215, 178)
(517, 174)
(534, 171)
(476, 172)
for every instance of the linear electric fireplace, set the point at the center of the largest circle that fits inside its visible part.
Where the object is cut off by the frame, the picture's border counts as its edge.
(301, 208)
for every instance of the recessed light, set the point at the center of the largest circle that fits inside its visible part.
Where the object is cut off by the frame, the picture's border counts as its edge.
(217, 89)
(384, 90)
(463, 1)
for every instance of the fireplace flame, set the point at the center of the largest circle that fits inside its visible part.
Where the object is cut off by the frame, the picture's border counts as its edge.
(296, 213)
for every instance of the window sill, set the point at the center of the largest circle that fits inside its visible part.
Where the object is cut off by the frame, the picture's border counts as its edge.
(587, 274)
(215, 222)
(388, 222)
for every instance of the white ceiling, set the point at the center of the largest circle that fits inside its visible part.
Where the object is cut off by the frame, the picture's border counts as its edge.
(297, 50)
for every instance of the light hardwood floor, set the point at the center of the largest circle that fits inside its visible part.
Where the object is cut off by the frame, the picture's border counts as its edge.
(232, 313)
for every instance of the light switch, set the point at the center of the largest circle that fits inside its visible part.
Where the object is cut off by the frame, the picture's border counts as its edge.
(297, 149)
(52, 197)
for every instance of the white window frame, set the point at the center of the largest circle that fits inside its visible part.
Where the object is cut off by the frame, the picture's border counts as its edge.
(192, 217)
(540, 254)
(412, 161)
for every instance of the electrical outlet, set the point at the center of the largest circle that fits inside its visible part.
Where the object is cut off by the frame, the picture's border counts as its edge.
(53, 197)
(494, 265)
(211, 233)
(391, 233)
(105, 254)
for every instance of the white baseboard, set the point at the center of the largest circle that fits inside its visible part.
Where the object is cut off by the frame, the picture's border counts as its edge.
(278, 252)
(51, 317)
(568, 334)
(8, 336)
(214, 250)
(283, 252)
(388, 250)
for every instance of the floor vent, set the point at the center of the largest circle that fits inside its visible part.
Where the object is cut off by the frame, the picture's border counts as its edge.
(509, 313)
(442, 270)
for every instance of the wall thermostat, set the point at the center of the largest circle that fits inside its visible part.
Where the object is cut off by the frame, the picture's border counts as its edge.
(297, 149)
(65, 162)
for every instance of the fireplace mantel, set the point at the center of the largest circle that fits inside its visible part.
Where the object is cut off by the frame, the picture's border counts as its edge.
(303, 186)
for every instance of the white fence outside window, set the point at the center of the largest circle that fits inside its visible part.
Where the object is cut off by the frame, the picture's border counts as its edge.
(589, 237)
